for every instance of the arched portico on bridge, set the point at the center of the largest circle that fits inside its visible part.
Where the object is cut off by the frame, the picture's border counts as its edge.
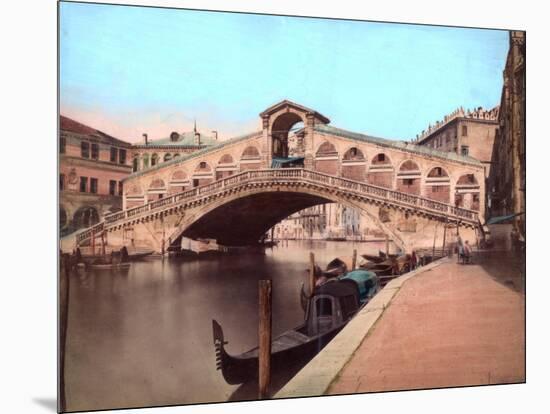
(399, 170)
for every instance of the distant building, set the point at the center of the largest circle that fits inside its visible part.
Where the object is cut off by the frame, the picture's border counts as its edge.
(92, 165)
(149, 153)
(470, 133)
(507, 180)
(324, 221)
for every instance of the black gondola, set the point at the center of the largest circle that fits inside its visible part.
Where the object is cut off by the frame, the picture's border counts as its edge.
(328, 311)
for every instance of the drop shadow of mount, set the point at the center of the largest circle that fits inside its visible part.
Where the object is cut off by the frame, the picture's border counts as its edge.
(248, 391)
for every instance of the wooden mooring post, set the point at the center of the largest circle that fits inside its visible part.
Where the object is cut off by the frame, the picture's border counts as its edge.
(264, 339)
(311, 273)
(354, 260)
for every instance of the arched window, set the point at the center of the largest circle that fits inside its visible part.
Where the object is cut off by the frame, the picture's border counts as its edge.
(409, 166)
(226, 159)
(167, 157)
(437, 172)
(326, 150)
(250, 153)
(135, 163)
(354, 154)
(176, 155)
(145, 160)
(408, 178)
(154, 159)
(156, 184)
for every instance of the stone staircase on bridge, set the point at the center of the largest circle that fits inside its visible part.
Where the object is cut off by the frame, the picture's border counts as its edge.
(342, 187)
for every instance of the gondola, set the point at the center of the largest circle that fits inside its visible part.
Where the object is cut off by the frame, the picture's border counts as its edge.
(331, 307)
(372, 258)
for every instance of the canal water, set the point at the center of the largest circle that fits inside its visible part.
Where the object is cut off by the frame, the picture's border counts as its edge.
(143, 337)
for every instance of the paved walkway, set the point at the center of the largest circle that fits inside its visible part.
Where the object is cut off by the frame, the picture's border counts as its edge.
(454, 325)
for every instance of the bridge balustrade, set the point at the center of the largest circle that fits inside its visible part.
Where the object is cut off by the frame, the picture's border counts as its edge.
(285, 173)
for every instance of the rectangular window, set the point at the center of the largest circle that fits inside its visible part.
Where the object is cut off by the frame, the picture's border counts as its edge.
(464, 130)
(120, 188)
(408, 181)
(61, 182)
(62, 144)
(83, 184)
(85, 149)
(122, 156)
(95, 151)
(93, 185)
(436, 189)
(114, 154)
(464, 150)
(112, 187)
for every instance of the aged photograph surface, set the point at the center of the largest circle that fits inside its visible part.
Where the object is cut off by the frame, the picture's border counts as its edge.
(264, 206)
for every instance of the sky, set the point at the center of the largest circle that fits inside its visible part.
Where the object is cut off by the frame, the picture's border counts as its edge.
(133, 70)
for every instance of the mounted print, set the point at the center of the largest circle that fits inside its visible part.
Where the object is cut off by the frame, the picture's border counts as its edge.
(259, 206)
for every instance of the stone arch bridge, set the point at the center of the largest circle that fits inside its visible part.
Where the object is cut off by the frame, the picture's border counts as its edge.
(238, 189)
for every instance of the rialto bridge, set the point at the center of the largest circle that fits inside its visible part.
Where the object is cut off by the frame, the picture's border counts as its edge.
(237, 190)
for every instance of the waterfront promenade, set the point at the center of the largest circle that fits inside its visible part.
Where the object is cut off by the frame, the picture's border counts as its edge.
(446, 325)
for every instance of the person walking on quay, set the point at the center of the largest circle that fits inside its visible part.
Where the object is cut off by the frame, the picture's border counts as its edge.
(413, 261)
(467, 252)
(460, 247)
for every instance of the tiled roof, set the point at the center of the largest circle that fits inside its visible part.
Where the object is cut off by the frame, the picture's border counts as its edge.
(70, 125)
(402, 145)
(185, 139)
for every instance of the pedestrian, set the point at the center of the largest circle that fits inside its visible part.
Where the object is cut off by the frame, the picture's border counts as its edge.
(467, 252)
(459, 247)
(414, 260)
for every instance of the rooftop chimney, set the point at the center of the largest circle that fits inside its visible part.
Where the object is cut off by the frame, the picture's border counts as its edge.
(197, 134)
(145, 139)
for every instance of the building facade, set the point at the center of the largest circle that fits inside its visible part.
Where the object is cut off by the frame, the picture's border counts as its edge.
(149, 153)
(330, 221)
(468, 133)
(92, 166)
(507, 180)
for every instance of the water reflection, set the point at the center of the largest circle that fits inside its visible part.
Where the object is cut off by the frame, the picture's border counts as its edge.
(143, 337)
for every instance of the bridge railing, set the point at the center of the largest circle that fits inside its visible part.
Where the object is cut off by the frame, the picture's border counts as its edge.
(297, 174)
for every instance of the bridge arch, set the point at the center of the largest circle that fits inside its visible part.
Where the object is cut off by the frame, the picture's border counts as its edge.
(156, 189)
(354, 164)
(409, 177)
(279, 131)
(203, 173)
(381, 171)
(178, 181)
(437, 184)
(255, 210)
(134, 195)
(467, 191)
(326, 158)
(250, 158)
(226, 166)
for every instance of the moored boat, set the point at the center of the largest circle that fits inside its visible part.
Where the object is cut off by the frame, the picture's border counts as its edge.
(331, 307)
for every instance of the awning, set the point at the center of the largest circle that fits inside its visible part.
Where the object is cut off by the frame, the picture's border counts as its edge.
(502, 219)
(279, 162)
